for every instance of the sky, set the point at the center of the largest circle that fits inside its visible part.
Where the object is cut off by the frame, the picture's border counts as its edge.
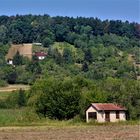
(103, 9)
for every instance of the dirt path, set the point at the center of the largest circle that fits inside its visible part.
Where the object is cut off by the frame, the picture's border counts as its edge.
(127, 132)
(10, 88)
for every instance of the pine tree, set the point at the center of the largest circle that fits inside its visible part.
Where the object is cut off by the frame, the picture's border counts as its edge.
(18, 59)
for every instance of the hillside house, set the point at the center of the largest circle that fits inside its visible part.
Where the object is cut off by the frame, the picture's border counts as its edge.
(10, 61)
(105, 112)
(40, 55)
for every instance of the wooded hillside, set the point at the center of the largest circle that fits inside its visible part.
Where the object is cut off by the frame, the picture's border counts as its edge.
(88, 60)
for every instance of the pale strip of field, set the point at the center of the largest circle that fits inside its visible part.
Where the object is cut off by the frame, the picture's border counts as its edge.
(109, 132)
(24, 49)
(10, 88)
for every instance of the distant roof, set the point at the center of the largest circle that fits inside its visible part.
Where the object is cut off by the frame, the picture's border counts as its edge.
(107, 107)
(40, 54)
(37, 44)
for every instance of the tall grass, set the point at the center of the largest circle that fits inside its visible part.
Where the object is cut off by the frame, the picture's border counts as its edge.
(9, 116)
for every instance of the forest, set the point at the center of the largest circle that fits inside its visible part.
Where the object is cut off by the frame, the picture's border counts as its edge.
(89, 60)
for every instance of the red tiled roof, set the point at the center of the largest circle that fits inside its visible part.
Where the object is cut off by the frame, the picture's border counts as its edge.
(107, 106)
(40, 54)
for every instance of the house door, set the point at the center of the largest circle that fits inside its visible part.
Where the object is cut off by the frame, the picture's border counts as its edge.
(107, 116)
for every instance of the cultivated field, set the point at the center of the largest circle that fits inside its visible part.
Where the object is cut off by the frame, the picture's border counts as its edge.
(109, 132)
(24, 49)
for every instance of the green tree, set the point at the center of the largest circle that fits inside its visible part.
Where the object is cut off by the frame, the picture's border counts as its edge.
(34, 67)
(58, 99)
(3, 34)
(47, 42)
(85, 67)
(67, 55)
(88, 56)
(21, 98)
(11, 77)
(18, 59)
(17, 37)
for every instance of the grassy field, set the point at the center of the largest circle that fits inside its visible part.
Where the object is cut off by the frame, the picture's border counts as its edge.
(10, 116)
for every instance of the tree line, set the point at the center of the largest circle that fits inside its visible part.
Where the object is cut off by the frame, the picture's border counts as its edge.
(46, 29)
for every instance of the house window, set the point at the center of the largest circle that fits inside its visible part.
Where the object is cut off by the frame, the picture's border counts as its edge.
(117, 115)
(92, 115)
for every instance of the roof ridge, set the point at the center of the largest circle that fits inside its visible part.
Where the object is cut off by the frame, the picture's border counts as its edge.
(107, 106)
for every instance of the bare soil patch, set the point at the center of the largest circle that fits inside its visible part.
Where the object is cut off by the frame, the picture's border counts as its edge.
(113, 132)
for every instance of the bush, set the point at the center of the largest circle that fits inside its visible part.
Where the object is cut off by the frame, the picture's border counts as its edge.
(58, 100)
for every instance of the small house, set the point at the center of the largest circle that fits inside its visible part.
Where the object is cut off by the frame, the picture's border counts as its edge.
(40, 55)
(10, 61)
(105, 112)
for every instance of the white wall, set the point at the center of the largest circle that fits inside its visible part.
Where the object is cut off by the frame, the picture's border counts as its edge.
(10, 62)
(41, 57)
(101, 117)
(113, 116)
(122, 116)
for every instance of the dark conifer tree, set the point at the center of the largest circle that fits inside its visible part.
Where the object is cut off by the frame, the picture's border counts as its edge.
(88, 56)
(18, 59)
(85, 67)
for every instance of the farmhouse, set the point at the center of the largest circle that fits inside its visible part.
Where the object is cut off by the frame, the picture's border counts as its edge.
(40, 55)
(105, 112)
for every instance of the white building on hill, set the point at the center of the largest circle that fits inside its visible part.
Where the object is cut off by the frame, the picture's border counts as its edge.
(40, 55)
